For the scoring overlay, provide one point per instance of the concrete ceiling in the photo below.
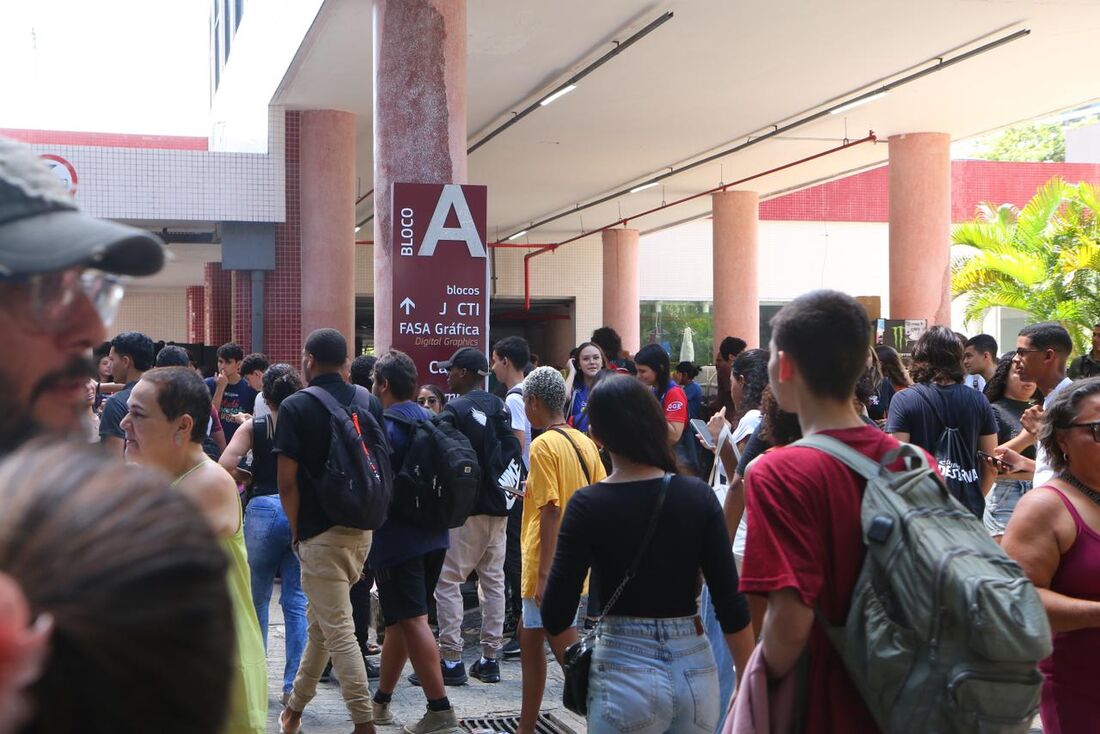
(715, 74)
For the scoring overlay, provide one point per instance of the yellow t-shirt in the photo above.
(554, 476)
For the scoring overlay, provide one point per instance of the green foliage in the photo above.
(1036, 142)
(667, 327)
(1043, 259)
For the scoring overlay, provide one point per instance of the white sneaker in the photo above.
(382, 713)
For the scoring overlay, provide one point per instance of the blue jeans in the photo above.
(650, 676)
(267, 538)
(727, 676)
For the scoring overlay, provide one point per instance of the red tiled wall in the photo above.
(196, 314)
(973, 182)
(241, 310)
(282, 287)
(863, 197)
(217, 297)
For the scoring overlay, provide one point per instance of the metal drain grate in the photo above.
(547, 724)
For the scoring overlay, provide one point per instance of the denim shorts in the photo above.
(1000, 502)
(653, 675)
(532, 615)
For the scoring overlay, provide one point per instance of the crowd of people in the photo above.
(718, 551)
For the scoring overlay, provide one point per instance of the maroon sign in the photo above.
(440, 274)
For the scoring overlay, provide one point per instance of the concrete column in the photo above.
(327, 171)
(621, 306)
(196, 314)
(419, 118)
(920, 227)
(218, 304)
(241, 310)
(735, 256)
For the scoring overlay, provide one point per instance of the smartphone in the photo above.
(996, 462)
(704, 432)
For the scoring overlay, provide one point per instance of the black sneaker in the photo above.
(373, 672)
(326, 675)
(486, 671)
(510, 650)
(455, 676)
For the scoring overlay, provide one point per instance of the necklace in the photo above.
(1084, 489)
(183, 476)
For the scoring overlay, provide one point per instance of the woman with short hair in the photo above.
(651, 631)
(1054, 535)
(165, 425)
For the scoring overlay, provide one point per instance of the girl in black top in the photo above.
(653, 624)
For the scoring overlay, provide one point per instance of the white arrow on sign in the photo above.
(407, 305)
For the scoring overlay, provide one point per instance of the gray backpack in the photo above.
(944, 630)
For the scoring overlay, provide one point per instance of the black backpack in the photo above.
(958, 465)
(356, 483)
(437, 485)
(484, 420)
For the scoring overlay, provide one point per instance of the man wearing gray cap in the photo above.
(59, 288)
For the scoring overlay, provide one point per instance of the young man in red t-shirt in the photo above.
(805, 543)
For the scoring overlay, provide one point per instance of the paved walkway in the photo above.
(326, 714)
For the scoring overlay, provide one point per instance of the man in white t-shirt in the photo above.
(510, 358)
(1042, 351)
(979, 360)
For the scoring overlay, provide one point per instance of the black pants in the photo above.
(513, 561)
(360, 606)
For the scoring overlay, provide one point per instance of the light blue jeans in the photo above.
(650, 676)
(267, 539)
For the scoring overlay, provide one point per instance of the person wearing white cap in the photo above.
(59, 289)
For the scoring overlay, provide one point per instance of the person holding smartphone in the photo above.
(1010, 395)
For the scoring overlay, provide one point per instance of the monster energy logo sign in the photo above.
(899, 336)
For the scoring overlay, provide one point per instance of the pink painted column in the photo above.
(920, 227)
(327, 195)
(621, 305)
(196, 314)
(419, 118)
(735, 257)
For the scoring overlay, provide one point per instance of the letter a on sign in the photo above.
(466, 231)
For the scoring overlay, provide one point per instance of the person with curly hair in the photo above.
(1054, 535)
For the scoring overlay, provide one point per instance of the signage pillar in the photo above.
(419, 126)
(440, 274)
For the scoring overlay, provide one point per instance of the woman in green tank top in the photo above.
(165, 426)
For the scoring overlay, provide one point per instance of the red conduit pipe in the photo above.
(870, 138)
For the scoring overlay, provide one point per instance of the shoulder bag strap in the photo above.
(630, 572)
(584, 467)
(924, 395)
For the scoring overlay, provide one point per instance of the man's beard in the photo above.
(17, 423)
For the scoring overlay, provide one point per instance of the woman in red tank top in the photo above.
(1054, 534)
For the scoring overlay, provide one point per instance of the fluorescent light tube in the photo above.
(517, 235)
(560, 93)
(857, 103)
(643, 187)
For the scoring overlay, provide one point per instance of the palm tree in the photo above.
(1043, 259)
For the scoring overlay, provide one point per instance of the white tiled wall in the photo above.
(189, 185)
(160, 313)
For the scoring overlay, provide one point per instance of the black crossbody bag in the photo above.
(577, 660)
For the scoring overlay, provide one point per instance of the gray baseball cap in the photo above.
(42, 229)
